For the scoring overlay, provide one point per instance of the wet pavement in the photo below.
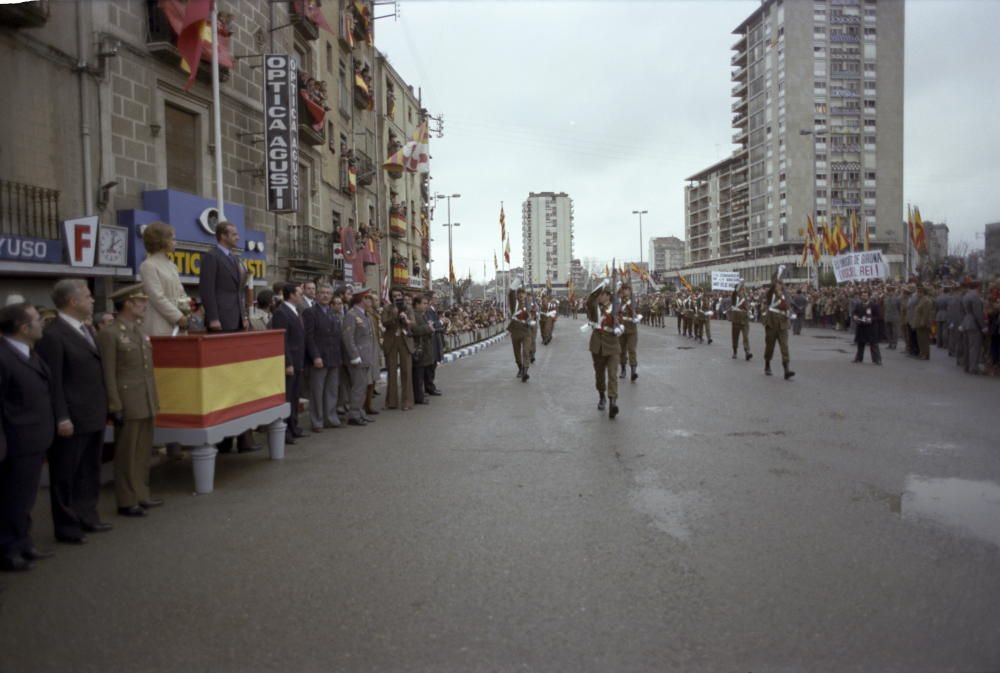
(726, 521)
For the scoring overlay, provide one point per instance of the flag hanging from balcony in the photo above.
(352, 179)
(364, 17)
(416, 153)
(394, 164)
(311, 10)
(315, 111)
(190, 20)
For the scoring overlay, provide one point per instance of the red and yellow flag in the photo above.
(506, 252)
(841, 242)
(684, 282)
(854, 230)
(919, 233)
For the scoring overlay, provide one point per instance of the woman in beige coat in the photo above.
(161, 283)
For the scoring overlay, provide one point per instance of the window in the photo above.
(869, 175)
(819, 31)
(870, 33)
(329, 58)
(869, 123)
(870, 51)
(345, 92)
(181, 143)
(869, 194)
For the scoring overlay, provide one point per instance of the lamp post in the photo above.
(640, 213)
(815, 138)
(450, 226)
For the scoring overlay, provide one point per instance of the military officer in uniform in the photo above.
(629, 318)
(605, 347)
(921, 320)
(739, 316)
(127, 356)
(520, 330)
(776, 324)
(533, 312)
(361, 355)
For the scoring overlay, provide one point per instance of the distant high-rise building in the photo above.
(665, 253)
(547, 237)
(818, 119)
(991, 261)
(937, 240)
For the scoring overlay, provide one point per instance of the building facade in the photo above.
(547, 239)
(665, 253)
(122, 139)
(937, 240)
(818, 121)
(991, 260)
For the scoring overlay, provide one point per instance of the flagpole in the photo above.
(216, 112)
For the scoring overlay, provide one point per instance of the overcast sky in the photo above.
(617, 102)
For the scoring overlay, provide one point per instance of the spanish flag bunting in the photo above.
(191, 23)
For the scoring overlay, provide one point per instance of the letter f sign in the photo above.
(81, 237)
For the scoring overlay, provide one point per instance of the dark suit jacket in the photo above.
(77, 377)
(26, 415)
(295, 335)
(220, 287)
(323, 336)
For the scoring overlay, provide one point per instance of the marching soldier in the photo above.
(678, 304)
(628, 318)
(698, 316)
(127, 356)
(533, 312)
(604, 346)
(687, 307)
(776, 324)
(550, 310)
(739, 316)
(520, 330)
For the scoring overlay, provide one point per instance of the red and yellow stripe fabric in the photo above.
(211, 379)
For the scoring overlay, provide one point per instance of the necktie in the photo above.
(88, 336)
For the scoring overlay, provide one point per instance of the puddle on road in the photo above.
(680, 433)
(666, 509)
(970, 506)
(932, 448)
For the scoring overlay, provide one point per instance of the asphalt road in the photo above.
(848, 520)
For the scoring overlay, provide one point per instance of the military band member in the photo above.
(605, 348)
(706, 317)
(127, 356)
(687, 309)
(520, 330)
(533, 311)
(550, 310)
(678, 304)
(698, 316)
(739, 316)
(628, 318)
(776, 324)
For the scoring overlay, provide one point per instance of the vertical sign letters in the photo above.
(281, 132)
(81, 240)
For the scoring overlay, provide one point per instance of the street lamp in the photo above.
(450, 226)
(640, 213)
(815, 137)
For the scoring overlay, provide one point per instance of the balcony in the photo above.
(305, 27)
(161, 42)
(312, 110)
(740, 136)
(739, 88)
(842, 38)
(740, 104)
(366, 169)
(29, 210)
(310, 247)
(25, 14)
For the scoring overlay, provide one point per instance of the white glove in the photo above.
(619, 330)
(356, 361)
(585, 328)
(532, 323)
(637, 319)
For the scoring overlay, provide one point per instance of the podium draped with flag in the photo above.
(213, 386)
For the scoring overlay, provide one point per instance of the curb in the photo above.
(472, 349)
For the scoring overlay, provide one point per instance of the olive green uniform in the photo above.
(127, 356)
(605, 348)
(629, 340)
(740, 319)
(923, 316)
(776, 326)
(520, 333)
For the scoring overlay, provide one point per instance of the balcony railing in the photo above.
(310, 247)
(305, 27)
(29, 210)
(25, 14)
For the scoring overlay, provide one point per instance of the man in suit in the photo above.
(437, 345)
(69, 348)
(358, 345)
(423, 353)
(288, 317)
(605, 347)
(397, 344)
(221, 283)
(309, 294)
(324, 348)
(941, 318)
(28, 428)
(127, 357)
(973, 327)
(891, 315)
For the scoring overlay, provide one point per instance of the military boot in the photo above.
(635, 374)
(601, 402)
(613, 408)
